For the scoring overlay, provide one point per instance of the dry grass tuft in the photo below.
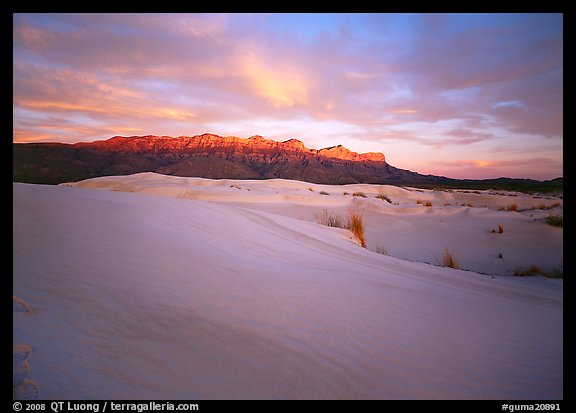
(555, 221)
(545, 207)
(531, 270)
(449, 260)
(324, 193)
(425, 203)
(500, 230)
(330, 219)
(559, 273)
(356, 226)
(381, 250)
(534, 270)
(360, 194)
(384, 197)
(354, 223)
(512, 207)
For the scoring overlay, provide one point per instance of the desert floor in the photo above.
(160, 287)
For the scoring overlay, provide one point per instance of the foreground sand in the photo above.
(236, 293)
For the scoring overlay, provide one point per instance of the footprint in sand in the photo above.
(19, 305)
(20, 353)
(26, 391)
(22, 386)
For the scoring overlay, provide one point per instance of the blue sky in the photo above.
(460, 95)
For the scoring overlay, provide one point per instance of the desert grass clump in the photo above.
(555, 221)
(425, 203)
(330, 219)
(512, 207)
(558, 273)
(360, 194)
(356, 226)
(545, 207)
(311, 189)
(534, 270)
(525, 272)
(384, 197)
(449, 260)
(345, 193)
(354, 223)
(324, 193)
(500, 229)
(381, 250)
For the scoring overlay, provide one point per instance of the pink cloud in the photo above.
(436, 82)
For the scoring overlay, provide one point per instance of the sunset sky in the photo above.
(459, 95)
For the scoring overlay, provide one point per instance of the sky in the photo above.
(459, 95)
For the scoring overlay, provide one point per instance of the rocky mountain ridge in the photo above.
(216, 157)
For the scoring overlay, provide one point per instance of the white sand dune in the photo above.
(235, 293)
(407, 230)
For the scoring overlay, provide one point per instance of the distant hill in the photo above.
(216, 157)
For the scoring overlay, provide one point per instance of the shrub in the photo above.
(330, 220)
(512, 207)
(384, 198)
(360, 194)
(449, 260)
(356, 226)
(524, 272)
(311, 189)
(324, 193)
(534, 269)
(500, 229)
(425, 203)
(554, 274)
(355, 223)
(345, 193)
(555, 221)
(381, 250)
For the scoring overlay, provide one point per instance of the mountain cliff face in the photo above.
(207, 156)
(216, 157)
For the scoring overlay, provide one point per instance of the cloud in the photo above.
(437, 81)
(542, 168)
(279, 84)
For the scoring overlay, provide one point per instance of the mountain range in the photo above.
(216, 157)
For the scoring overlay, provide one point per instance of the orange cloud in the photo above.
(404, 111)
(176, 114)
(280, 85)
(27, 136)
(483, 164)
